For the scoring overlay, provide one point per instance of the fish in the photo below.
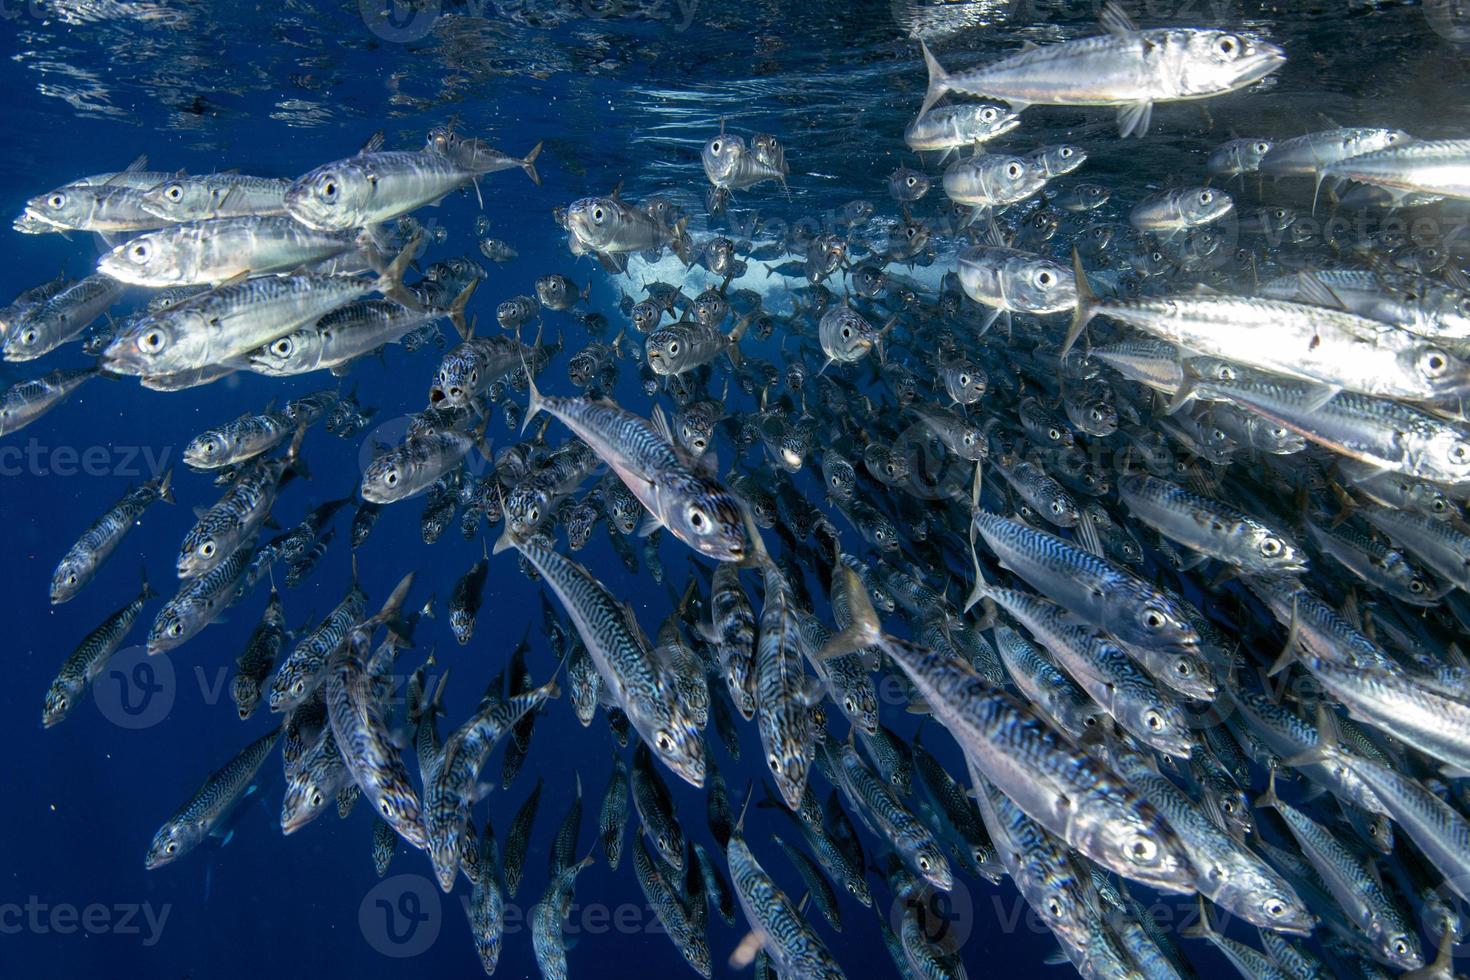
(377, 185)
(1124, 67)
(86, 663)
(209, 804)
(83, 559)
(695, 507)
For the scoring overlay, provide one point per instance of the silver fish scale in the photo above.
(733, 635)
(477, 362)
(447, 797)
(308, 658)
(360, 725)
(100, 539)
(640, 684)
(192, 821)
(206, 595)
(785, 936)
(887, 817)
(1093, 584)
(1005, 740)
(670, 909)
(633, 438)
(90, 656)
(1037, 861)
(783, 691)
(242, 509)
(1219, 860)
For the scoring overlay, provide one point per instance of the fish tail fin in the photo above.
(457, 308)
(1326, 742)
(528, 164)
(1201, 929)
(534, 402)
(981, 589)
(391, 613)
(165, 486)
(390, 283)
(1269, 798)
(938, 79)
(865, 630)
(1086, 303)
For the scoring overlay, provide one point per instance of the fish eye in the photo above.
(1154, 619)
(174, 193)
(1057, 507)
(29, 337)
(391, 478)
(316, 800)
(57, 201)
(1054, 907)
(1141, 850)
(964, 381)
(329, 188)
(1434, 361)
(1271, 547)
(989, 114)
(1275, 908)
(206, 550)
(1183, 669)
(175, 629)
(1053, 434)
(1066, 152)
(1229, 45)
(673, 347)
(715, 146)
(1044, 278)
(912, 181)
(923, 863)
(298, 688)
(1263, 147)
(171, 847)
(1416, 586)
(139, 252)
(1013, 170)
(1460, 452)
(1157, 256)
(1206, 197)
(1154, 721)
(598, 215)
(151, 342)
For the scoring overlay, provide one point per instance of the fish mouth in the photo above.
(1264, 60)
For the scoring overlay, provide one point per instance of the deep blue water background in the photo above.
(275, 90)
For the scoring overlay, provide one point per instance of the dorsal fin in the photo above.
(1115, 20)
(374, 143)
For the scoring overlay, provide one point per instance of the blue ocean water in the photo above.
(620, 93)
